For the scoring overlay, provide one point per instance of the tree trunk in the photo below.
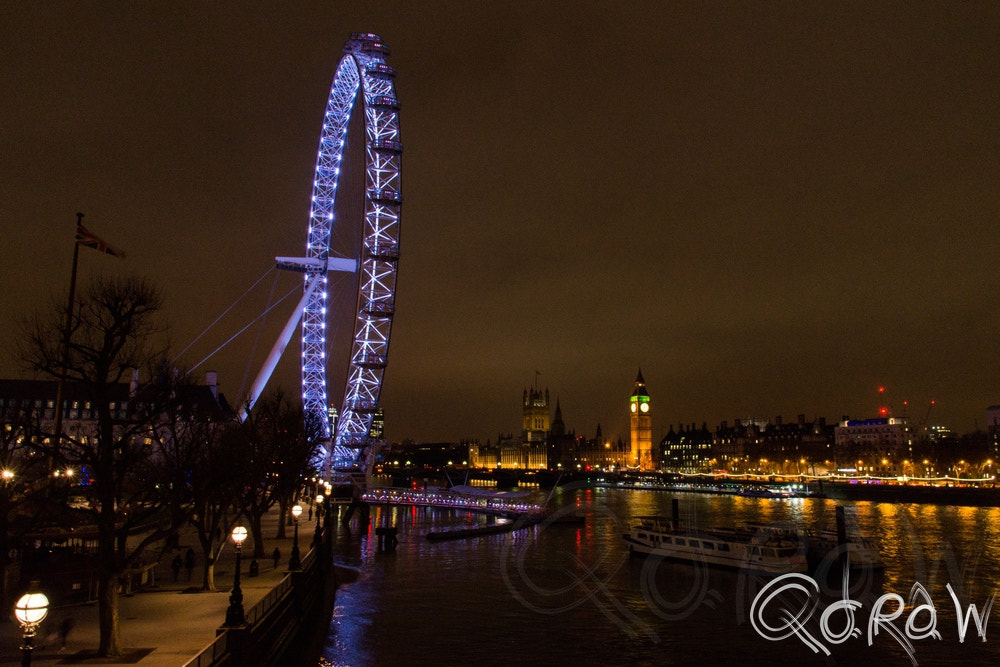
(282, 515)
(108, 567)
(211, 555)
(107, 613)
(5, 562)
(208, 583)
(258, 536)
(4, 604)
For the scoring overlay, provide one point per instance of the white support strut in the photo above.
(279, 347)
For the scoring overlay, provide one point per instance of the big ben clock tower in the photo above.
(641, 426)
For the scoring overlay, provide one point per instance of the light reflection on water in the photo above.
(569, 593)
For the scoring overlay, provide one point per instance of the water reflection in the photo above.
(567, 592)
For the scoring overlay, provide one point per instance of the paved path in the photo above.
(163, 626)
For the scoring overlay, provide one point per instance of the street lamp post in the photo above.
(294, 563)
(234, 614)
(327, 490)
(30, 610)
(318, 532)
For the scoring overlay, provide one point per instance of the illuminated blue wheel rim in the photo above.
(363, 68)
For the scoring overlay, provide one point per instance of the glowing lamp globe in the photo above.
(31, 609)
(297, 511)
(239, 534)
(319, 499)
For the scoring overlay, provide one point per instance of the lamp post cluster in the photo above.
(32, 607)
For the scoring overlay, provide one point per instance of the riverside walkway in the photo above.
(164, 625)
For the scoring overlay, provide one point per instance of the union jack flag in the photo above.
(85, 238)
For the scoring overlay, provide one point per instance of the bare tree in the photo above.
(25, 485)
(279, 452)
(111, 334)
(214, 483)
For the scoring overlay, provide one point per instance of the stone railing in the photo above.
(275, 621)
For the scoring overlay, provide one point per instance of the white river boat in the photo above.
(770, 552)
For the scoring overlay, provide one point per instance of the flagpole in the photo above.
(60, 385)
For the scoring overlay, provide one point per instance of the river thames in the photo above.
(562, 593)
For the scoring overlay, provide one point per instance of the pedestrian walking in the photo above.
(276, 556)
(189, 562)
(64, 629)
(176, 566)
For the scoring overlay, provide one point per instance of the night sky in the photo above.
(772, 208)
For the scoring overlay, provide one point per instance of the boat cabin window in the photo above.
(723, 546)
(693, 543)
(708, 545)
(680, 541)
(643, 536)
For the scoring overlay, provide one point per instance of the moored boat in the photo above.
(862, 553)
(827, 548)
(764, 552)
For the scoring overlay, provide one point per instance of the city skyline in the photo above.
(770, 210)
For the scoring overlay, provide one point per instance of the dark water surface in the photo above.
(563, 593)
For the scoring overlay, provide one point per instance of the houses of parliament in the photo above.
(884, 446)
(545, 443)
(878, 446)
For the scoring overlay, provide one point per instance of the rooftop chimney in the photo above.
(212, 382)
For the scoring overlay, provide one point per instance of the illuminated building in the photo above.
(509, 453)
(529, 451)
(640, 426)
(749, 444)
(579, 453)
(993, 429)
(885, 432)
(535, 422)
(869, 441)
(34, 401)
(377, 431)
(687, 449)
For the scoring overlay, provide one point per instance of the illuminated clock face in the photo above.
(632, 407)
(644, 407)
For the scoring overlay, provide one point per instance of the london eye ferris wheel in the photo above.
(353, 232)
